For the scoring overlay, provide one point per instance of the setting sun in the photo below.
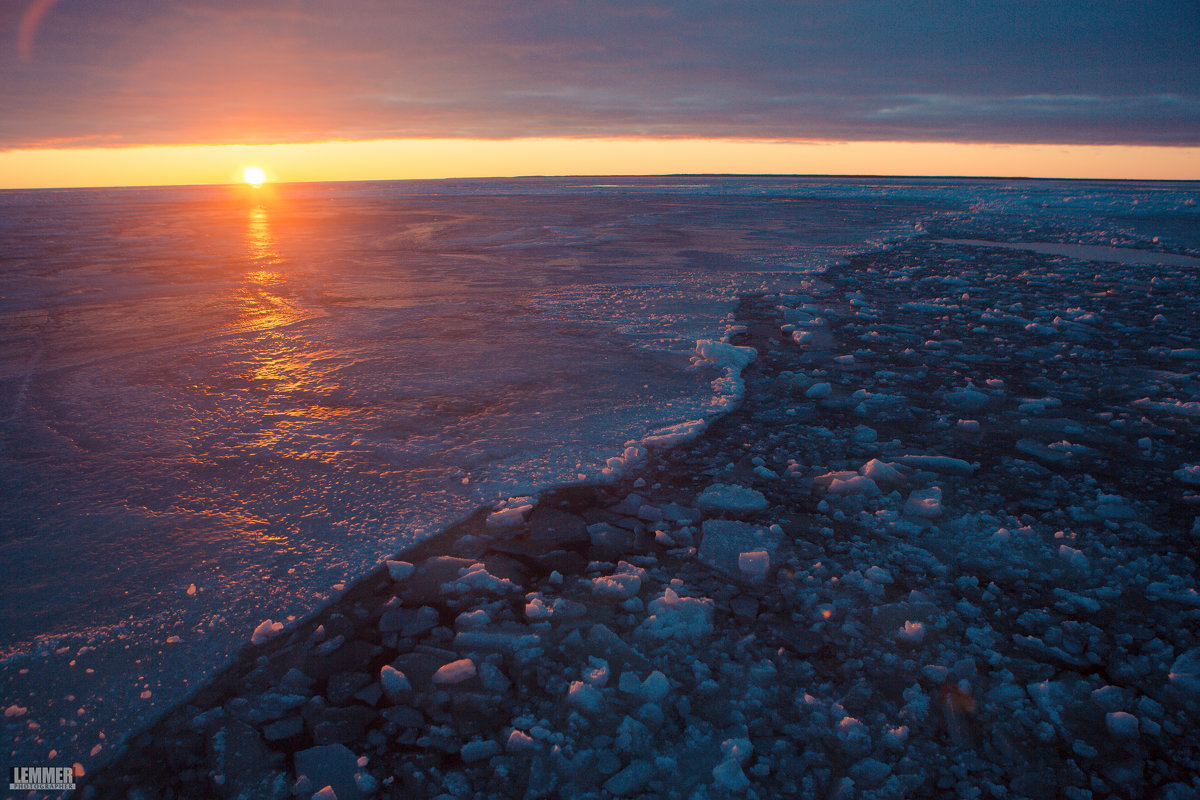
(254, 176)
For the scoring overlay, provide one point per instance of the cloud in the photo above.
(27, 28)
(140, 71)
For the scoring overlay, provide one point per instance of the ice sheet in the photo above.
(261, 394)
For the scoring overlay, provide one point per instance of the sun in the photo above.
(254, 176)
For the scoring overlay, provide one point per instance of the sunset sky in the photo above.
(106, 92)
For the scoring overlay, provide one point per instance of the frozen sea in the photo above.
(220, 405)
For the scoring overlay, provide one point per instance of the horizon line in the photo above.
(612, 176)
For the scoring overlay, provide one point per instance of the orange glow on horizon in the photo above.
(397, 159)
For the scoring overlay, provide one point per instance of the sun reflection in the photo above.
(277, 379)
(281, 360)
(261, 300)
(258, 236)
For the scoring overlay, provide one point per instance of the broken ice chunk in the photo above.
(728, 774)
(675, 617)
(585, 697)
(479, 750)
(655, 687)
(1037, 405)
(674, 434)
(399, 570)
(1121, 725)
(1189, 474)
(621, 585)
(731, 499)
(765, 473)
(267, 629)
(536, 609)
(454, 672)
(1185, 672)
(724, 354)
(597, 672)
(520, 742)
(913, 633)
(475, 579)
(1114, 507)
(885, 476)
(1075, 558)
(1177, 408)
(331, 766)
(895, 737)
(944, 465)
(395, 683)
(854, 736)
(725, 540)
(471, 620)
(629, 683)
(858, 484)
(863, 434)
(755, 564)
(870, 771)
(878, 575)
(966, 399)
(924, 503)
(826, 480)
(508, 519)
(616, 587)
(630, 780)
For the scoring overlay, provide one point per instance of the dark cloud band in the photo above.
(136, 71)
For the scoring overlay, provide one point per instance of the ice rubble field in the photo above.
(946, 547)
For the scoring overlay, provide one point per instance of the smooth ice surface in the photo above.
(1090, 252)
(218, 405)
